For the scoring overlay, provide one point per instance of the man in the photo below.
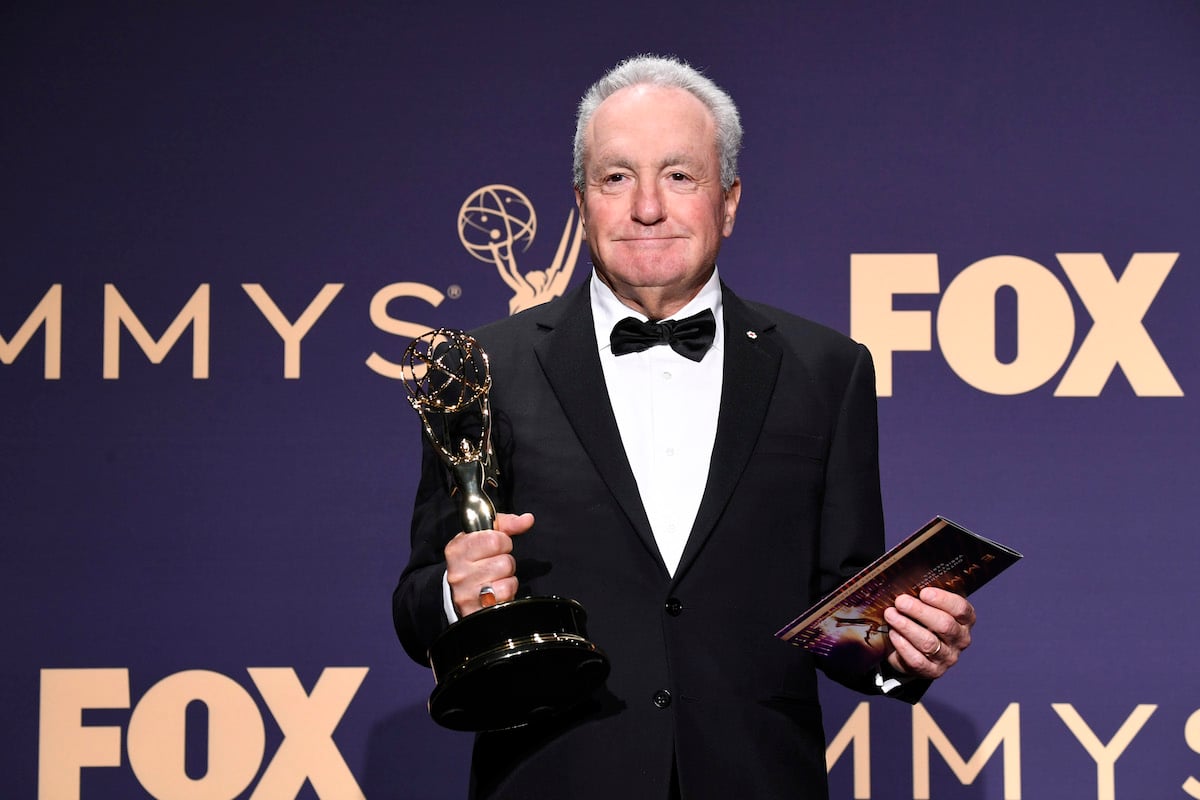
(687, 499)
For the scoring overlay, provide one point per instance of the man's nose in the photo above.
(648, 206)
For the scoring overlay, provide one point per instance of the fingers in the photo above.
(929, 633)
(499, 591)
(483, 560)
(953, 604)
(473, 565)
(908, 659)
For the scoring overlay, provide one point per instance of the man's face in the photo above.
(653, 206)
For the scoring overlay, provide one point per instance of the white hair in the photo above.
(667, 72)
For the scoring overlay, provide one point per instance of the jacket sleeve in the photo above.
(852, 526)
(417, 609)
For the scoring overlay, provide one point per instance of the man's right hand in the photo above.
(484, 558)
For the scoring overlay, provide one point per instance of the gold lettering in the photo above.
(65, 744)
(1105, 755)
(1191, 735)
(117, 313)
(1117, 336)
(307, 722)
(47, 313)
(387, 324)
(290, 333)
(236, 737)
(967, 325)
(874, 279)
(1006, 731)
(856, 731)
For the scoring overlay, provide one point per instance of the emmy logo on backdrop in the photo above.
(516, 662)
(496, 218)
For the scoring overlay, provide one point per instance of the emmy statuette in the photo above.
(512, 663)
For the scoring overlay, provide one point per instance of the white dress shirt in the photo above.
(666, 408)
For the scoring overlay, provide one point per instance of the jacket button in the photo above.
(673, 606)
(662, 698)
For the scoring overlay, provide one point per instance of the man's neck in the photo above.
(655, 302)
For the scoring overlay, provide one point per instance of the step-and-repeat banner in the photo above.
(221, 227)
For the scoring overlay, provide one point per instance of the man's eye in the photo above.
(678, 176)
(614, 178)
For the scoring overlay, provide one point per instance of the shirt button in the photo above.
(662, 698)
(666, 376)
(673, 606)
(670, 451)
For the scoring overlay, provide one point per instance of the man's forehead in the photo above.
(648, 98)
(668, 118)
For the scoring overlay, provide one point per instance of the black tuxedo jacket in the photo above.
(698, 683)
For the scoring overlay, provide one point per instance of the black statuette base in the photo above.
(514, 664)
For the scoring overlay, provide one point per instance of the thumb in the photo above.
(513, 524)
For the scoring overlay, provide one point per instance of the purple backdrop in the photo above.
(164, 533)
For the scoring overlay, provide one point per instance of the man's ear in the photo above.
(732, 197)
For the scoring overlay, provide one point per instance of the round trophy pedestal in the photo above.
(513, 664)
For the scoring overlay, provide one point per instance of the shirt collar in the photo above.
(608, 310)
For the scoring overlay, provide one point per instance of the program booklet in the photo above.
(846, 627)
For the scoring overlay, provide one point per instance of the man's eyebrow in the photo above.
(679, 159)
(603, 163)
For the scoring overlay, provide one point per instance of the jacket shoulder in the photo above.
(806, 337)
(546, 315)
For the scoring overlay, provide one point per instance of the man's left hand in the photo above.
(928, 634)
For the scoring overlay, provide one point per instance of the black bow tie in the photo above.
(690, 337)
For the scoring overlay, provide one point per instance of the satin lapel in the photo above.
(568, 357)
(749, 373)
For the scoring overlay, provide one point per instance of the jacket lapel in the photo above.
(748, 381)
(567, 353)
